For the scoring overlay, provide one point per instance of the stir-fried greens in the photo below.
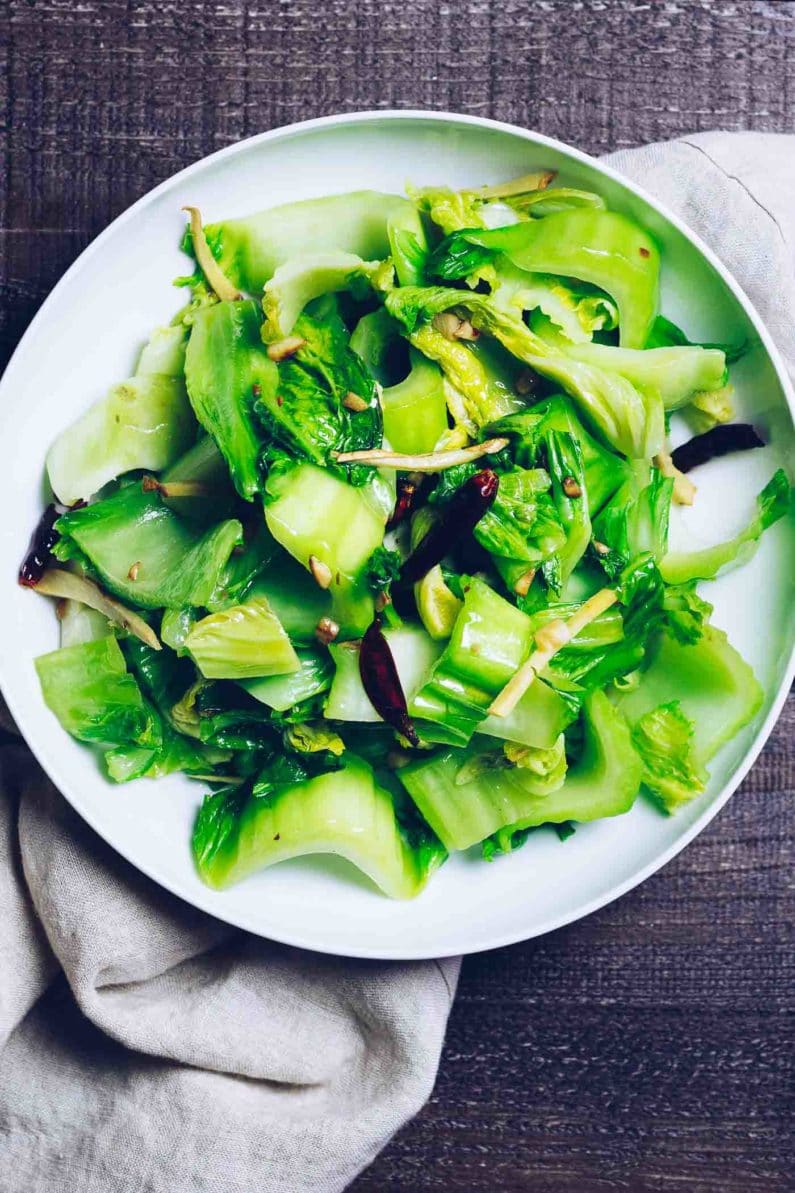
(375, 540)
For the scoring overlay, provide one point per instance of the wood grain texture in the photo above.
(649, 1048)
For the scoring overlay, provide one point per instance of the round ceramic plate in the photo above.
(87, 336)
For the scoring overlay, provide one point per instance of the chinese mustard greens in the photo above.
(374, 541)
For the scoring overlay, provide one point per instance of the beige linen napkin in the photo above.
(146, 1048)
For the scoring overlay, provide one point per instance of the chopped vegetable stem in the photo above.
(432, 462)
(516, 687)
(216, 278)
(58, 582)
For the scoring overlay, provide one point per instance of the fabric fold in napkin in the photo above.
(147, 1048)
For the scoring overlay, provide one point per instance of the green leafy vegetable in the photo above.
(604, 248)
(307, 412)
(604, 470)
(679, 567)
(685, 613)
(295, 597)
(666, 334)
(554, 199)
(298, 281)
(145, 422)
(408, 244)
(604, 782)
(635, 520)
(481, 380)
(577, 311)
(314, 515)
(377, 340)
(282, 692)
(522, 526)
(383, 567)
(709, 407)
(628, 419)
(450, 210)
(250, 250)
(715, 688)
(308, 738)
(226, 366)
(415, 410)
(90, 691)
(243, 642)
(343, 812)
(570, 495)
(676, 374)
(490, 639)
(221, 714)
(176, 565)
(615, 644)
(663, 738)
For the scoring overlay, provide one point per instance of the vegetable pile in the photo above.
(374, 542)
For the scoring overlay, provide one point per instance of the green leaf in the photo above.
(604, 248)
(680, 567)
(663, 738)
(313, 514)
(450, 210)
(415, 410)
(553, 199)
(576, 309)
(145, 422)
(715, 687)
(376, 339)
(665, 334)
(383, 567)
(175, 753)
(93, 696)
(676, 374)
(225, 366)
(343, 812)
(177, 565)
(457, 258)
(251, 249)
(242, 642)
(616, 643)
(301, 279)
(223, 715)
(570, 496)
(604, 470)
(489, 641)
(408, 245)
(279, 771)
(629, 420)
(282, 692)
(603, 782)
(635, 520)
(317, 738)
(522, 528)
(685, 613)
(305, 413)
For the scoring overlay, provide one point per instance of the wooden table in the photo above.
(648, 1048)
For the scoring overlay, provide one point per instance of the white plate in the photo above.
(86, 337)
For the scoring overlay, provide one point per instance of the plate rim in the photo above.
(205, 901)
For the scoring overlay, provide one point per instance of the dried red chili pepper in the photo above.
(382, 683)
(39, 555)
(459, 517)
(719, 441)
(406, 492)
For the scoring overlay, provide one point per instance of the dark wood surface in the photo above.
(648, 1048)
